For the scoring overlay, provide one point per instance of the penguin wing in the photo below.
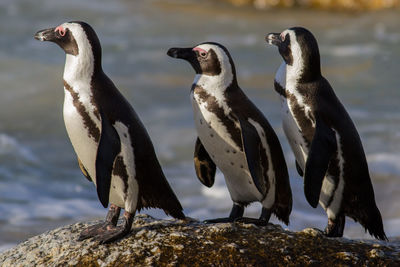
(84, 171)
(322, 148)
(109, 147)
(299, 170)
(203, 164)
(252, 146)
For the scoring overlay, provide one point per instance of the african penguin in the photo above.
(112, 145)
(327, 147)
(234, 136)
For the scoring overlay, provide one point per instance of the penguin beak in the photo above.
(187, 54)
(182, 53)
(46, 35)
(273, 39)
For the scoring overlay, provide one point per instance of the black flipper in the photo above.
(322, 149)
(203, 164)
(84, 171)
(299, 170)
(109, 147)
(251, 144)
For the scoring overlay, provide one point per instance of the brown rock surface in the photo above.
(173, 242)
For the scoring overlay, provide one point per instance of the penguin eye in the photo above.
(283, 36)
(61, 31)
(203, 54)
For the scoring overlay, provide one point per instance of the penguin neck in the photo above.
(216, 87)
(302, 72)
(79, 71)
(216, 84)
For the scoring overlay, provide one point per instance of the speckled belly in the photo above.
(226, 155)
(293, 134)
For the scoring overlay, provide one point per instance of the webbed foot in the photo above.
(113, 233)
(101, 228)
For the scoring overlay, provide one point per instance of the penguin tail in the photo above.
(176, 213)
(170, 203)
(283, 198)
(283, 205)
(282, 212)
(370, 218)
(374, 225)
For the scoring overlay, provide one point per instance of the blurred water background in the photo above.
(41, 186)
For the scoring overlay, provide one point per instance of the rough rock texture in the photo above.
(171, 242)
(354, 5)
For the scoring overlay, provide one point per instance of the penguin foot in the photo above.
(94, 230)
(335, 227)
(258, 222)
(98, 229)
(113, 233)
(219, 220)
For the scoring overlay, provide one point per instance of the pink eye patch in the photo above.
(199, 49)
(60, 29)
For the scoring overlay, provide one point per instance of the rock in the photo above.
(176, 242)
(354, 5)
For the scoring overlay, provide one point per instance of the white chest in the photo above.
(83, 127)
(293, 133)
(290, 125)
(225, 153)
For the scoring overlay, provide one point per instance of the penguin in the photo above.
(234, 136)
(113, 148)
(328, 150)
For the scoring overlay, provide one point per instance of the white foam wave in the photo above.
(11, 146)
(21, 214)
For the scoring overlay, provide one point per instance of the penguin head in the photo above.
(75, 38)
(299, 49)
(211, 59)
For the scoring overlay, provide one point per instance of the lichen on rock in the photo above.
(192, 243)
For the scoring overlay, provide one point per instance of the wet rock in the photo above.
(191, 243)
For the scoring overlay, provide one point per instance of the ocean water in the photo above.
(41, 186)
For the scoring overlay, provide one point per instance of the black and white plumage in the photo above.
(325, 142)
(234, 136)
(112, 145)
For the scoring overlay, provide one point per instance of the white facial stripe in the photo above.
(78, 69)
(216, 85)
(294, 72)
